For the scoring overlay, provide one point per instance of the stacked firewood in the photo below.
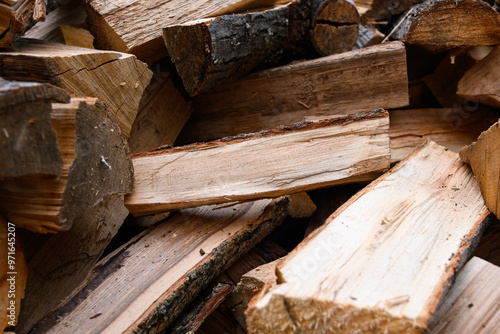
(260, 166)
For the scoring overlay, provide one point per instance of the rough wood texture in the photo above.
(13, 275)
(209, 52)
(65, 259)
(446, 24)
(96, 162)
(267, 164)
(117, 79)
(368, 36)
(329, 86)
(163, 112)
(27, 141)
(144, 285)
(381, 10)
(484, 158)
(473, 302)
(481, 82)
(382, 261)
(14, 19)
(71, 36)
(452, 128)
(117, 25)
(334, 26)
(301, 206)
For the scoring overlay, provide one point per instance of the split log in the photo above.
(163, 112)
(446, 24)
(209, 52)
(473, 302)
(71, 36)
(28, 143)
(382, 261)
(382, 10)
(13, 272)
(329, 86)
(484, 158)
(117, 79)
(150, 220)
(368, 36)
(117, 26)
(452, 128)
(249, 166)
(480, 83)
(65, 259)
(14, 19)
(96, 163)
(144, 285)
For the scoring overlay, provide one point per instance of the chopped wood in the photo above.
(334, 26)
(149, 220)
(117, 79)
(373, 11)
(14, 19)
(142, 286)
(480, 83)
(484, 158)
(65, 259)
(117, 26)
(329, 86)
(473, 302)
(13, 272)
(452, 128)
(267, 164)
(446, 24)
(71, 36)
(301, 206)
(368, 36)
(224, 48)
(96, 162)
(28, 143)
(163, 112)
(382, 262)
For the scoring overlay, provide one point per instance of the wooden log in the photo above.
(484, 157)
(248, 167)
(117, 26)
(368, 36)
(301, 206)
(96, 163)
(144, 285)
(452, 128)
(472, 303)
(69, 35)
(329, 86)
(382, 261)
(446, 24)
(117, 79)
(65, 259)
(480, 82)
(13, 272)
(28, 143)
(163, 112)
(14, 19)
(382, 10)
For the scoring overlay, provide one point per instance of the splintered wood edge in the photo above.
(17, 92)
(297, 127)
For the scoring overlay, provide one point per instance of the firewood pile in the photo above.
(239, 166)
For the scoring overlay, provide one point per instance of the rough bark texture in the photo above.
(14, 19)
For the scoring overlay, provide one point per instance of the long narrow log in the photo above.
(144, 285)
(260, 165)
(383, 261)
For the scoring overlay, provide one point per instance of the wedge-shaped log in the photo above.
(472, 303)
(446, 24)
(117, 25)
(480, 83)
(484, 158)
(383, 260)
(329, 86)
(28, 143)
(144, 285)
(116, 79)
(96, 163)
(267, 164)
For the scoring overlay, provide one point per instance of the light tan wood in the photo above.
(143, 286)
(117, 25)
(330, 86)
(13, 272)
(473, 303)
(480, 83)
(484, 158)
(452, 128)
(117, 79)
(383, 260)
(268, 164)
(301, 206)
(96, 162)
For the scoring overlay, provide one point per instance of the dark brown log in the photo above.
(14, 19)
(28, 143)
